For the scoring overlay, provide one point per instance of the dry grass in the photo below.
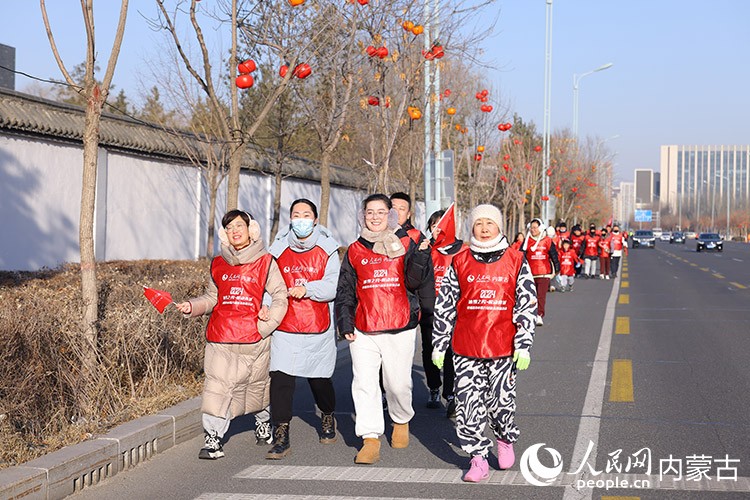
(147, 361)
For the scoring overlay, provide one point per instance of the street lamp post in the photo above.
(576, 80)
(547, 104)
(726, 193)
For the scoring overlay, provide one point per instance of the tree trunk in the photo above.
(236, 156)
(89, 292)
(277, 178)
(325, 186)
(213, 188)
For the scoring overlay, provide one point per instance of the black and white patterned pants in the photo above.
(485, 393)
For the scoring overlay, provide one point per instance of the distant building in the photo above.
(698, 179)
(7, 60)
(624, 202)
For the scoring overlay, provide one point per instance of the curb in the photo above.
(73, 468)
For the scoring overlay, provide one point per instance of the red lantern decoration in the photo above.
(244, 81)
(506, 157)
(477, 157)
(478, 95)
(302, 71)
(447, 93)
(373, 101)
(545, 198)
(282, 70)
(370, 50)
(246, 67)
(537, 148)
(504, 179)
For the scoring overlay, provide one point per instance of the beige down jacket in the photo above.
(237, 380)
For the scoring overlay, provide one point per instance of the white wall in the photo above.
(40, 193)
(146, 208)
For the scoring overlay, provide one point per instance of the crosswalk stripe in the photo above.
(446, 476)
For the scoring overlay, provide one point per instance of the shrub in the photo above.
(146, 361)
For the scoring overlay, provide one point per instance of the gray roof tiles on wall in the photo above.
(25, 114)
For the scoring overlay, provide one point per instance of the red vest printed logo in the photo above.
(298, 268)
(537, 254)
(484, 320)
(234, 319)
(441, 262)
(382, 302)
(592, 246)
(617, 241)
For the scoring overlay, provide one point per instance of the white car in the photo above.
(665, 236)
(657, 232)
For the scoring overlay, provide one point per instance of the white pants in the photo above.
(395, 353)
(566, 280)
(589, 266)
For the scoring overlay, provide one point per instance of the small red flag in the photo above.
(159, 298)
(447, 226)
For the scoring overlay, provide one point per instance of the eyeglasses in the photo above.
(231, 228)
(372, 214)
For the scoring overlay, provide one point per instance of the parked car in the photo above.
(690, 235)
(677, 237)
(645, 238)
(665, 236)
(709, 241)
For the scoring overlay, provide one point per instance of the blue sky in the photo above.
(680, 74)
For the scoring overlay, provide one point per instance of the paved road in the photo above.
(655, 361)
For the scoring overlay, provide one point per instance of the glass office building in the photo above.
(698, 179)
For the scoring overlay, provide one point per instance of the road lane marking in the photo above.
(622, 325)
(694, 264)
(621, 498)
(741, 287)
(625, 284)
(621, 389)
(704, 269)
(625, 275)
(591, 413)
(720, 276)
(624, 299)
(736, 259)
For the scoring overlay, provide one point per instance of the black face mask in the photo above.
(616, 231)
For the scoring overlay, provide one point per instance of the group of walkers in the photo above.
(275, 314)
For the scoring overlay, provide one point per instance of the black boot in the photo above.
(327, 428)
(281, 447)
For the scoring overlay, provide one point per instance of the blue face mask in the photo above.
(302, 227)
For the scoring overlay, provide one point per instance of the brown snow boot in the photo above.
(369, 453)
(400, 436)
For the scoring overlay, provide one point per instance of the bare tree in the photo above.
(95, 96)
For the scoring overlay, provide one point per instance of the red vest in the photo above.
(484, 313)
(617, 241)
(234, 319)
(576, 242)
(440, 264)
(298, 268)
(592, 246)
(415, 235)
(539, 259)
(604, 247)
(568, 262)
(382, 302)
(559, 237)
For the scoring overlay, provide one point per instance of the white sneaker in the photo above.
(601, 276)
(539, 321)
(606, 277)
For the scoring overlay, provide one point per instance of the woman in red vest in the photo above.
(569, 259)
(304, 344)
(604, 251)
(485, 311)
(377, 311)
(541, 254)
(238, 345)
(619, 243)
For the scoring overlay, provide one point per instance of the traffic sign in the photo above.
(643, 215)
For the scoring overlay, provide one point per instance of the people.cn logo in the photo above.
(532, 469)
(286, 269)
(470, 278)
(364, 262)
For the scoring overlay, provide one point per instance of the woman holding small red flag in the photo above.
(238, 343)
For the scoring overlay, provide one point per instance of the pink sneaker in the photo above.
(479, 470)
(505, 456)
